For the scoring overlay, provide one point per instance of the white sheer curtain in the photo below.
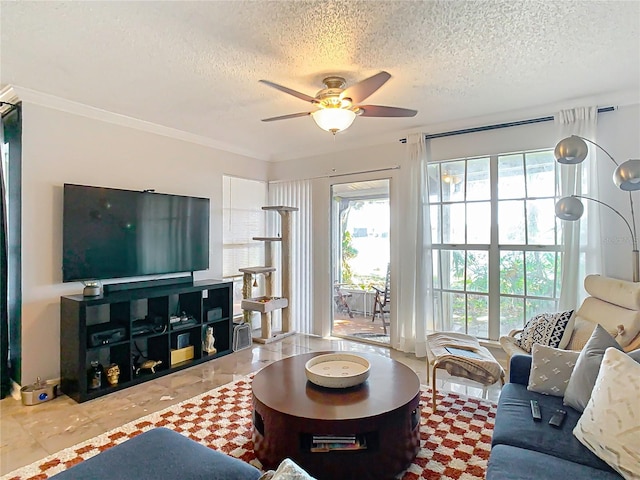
(295, 193)
(582, 246)
(415, 305)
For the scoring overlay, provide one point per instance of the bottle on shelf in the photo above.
(96, 372)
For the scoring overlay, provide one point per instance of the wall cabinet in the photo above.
(164, 326)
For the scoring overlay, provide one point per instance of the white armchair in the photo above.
(613, 303)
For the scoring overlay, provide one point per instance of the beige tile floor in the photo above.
(30, 433)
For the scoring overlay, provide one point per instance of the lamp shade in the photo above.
(571, 150)
(333, 119)
(569, 208)
(627, 176)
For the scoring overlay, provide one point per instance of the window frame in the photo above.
(442, 285)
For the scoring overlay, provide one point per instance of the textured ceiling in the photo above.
(195, 66)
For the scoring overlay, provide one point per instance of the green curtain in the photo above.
(5, 380)
(10, 249)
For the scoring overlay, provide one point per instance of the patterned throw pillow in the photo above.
(610, 424)
(550, 329)
(551, 369)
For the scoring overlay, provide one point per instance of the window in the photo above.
(242, 219)
(496, 241)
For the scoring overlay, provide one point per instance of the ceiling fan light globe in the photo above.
(569, 208)
(571, 150)
(627, 176)
(333, 119)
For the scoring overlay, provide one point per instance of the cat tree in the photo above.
(268, 303)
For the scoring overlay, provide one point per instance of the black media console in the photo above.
(165, 324)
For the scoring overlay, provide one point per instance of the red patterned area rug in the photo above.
(455, 440)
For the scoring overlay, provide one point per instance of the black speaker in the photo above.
(214, 314)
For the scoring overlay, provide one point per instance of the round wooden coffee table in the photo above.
(383, 413)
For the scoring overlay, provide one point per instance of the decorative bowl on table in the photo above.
(337, 370)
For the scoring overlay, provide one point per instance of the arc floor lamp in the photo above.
(573, 150)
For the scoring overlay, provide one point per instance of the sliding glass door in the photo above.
(360, 260)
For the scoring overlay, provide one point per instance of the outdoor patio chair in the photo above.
(382, 300)
(340, 297)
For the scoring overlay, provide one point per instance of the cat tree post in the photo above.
(285, 225)
(267, 304)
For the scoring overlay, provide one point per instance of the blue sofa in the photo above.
(160, 454)
(522, 449)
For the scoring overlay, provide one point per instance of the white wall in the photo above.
(58, 148)
(617, 133)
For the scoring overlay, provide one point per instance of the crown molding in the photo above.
(26, 95)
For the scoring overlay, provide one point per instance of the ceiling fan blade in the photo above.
(299, 95)
(362, 90)
(284, 117)
(380, 111)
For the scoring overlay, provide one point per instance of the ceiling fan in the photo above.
(337, 107)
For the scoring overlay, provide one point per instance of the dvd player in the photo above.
(144, 325)
(107, 335)
(141, 327)
(184, 323)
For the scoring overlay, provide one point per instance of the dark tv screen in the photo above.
(112, 233)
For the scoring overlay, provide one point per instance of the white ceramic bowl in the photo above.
(337, 370)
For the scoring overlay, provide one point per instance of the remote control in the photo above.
(557, 418)
(535, 411)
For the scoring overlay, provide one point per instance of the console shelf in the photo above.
(100, 329)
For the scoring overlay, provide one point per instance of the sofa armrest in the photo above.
(519, 368)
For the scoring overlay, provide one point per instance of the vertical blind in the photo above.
(296, 194)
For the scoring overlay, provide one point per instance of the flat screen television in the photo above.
(113, 233)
